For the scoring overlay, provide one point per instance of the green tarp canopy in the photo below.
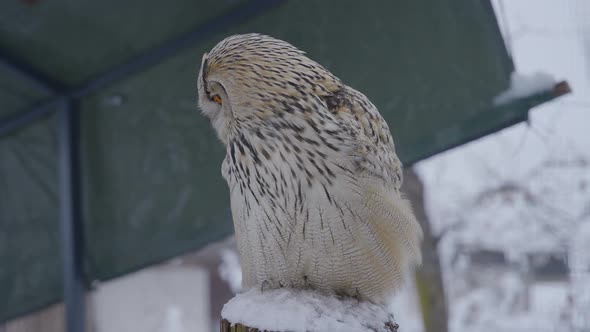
(149, 178)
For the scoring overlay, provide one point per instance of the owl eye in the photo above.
(216, 99)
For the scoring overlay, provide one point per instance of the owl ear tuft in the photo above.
(204, 69)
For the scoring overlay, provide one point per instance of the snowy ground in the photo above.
(166, 298)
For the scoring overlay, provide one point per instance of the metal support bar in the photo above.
(234, 16)
(19, 120)
(70, 217)
(28, 72)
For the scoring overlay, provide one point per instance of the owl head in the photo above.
(245, 80)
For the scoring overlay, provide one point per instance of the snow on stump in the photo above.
(299, 310)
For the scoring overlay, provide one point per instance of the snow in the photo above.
(166, 298)
(580, 264)
(523, 85)
(406, 308)
(230, 270)
(496, 308)
(521, 213)
(547, 297)
(304, 310)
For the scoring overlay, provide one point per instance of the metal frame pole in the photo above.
(29, 73)
(23, 119)
(71, 217)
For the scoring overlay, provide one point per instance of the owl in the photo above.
(313, 176)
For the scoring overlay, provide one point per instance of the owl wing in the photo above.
(373, 149)
(377, 171)
(317, 199)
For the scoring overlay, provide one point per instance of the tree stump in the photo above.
(226, 326)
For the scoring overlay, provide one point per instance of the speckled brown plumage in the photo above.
(312, 171)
